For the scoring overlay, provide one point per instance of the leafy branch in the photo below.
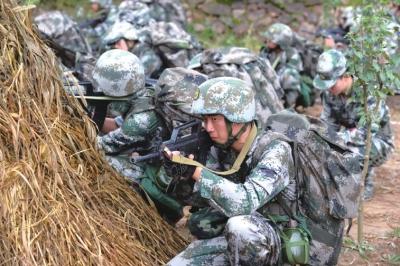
(374, 72)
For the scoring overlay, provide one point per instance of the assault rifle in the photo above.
(94, 21)
(337, 34)
(188, 138)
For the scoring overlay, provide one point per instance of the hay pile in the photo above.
(60, 204)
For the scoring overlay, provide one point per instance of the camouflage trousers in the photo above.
(247, 240)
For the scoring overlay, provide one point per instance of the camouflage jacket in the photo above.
(343, 114)
(151, 61)
(140, 124)
(160, 10)
(288, 65)
(258, 181)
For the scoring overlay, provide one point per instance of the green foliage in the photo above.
(63, 4)
(209, 38)
(368, 61)
(226, 2)
(31, 2)
(395, 233)
(393, 259)
(363, 248)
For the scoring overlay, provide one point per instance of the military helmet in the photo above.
(230, 97)
(280, 34)
(103, 3)
(330, 67)
(347, 17)
(118, 73)
(121, 30)
(176, 89)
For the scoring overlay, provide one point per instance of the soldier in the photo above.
(247, 196)
(148, 111)
(285, 59)
(62, 34)
(105, 15)
(123, 35)
(336, 37)
(165, 10)
(343, 114)
(241, 63)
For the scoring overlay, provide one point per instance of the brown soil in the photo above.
(382, 213)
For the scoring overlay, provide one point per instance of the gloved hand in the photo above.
(176, 170)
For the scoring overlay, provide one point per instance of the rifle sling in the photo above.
(276, 62)
(236, 165)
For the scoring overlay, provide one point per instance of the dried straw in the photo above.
(60, 204)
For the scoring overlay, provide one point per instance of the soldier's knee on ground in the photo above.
(252, 241)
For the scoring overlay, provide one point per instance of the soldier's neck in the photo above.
(238, 145)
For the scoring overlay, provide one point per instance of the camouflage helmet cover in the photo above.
(280, 34)
(330, 67)
(177, 88)
(230, 97)
(103, 3)
(118, 73)
(347, 17)
(121, 30)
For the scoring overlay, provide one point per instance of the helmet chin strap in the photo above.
(231, 138)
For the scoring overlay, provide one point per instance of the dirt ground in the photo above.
(382, 213)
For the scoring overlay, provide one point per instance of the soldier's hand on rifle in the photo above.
(176, 170)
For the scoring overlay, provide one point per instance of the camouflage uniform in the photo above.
(61, 29)
(243, 64)
(150, 59)
(286, 60)
(343, 114)
(96, 32)
(247, 197)
(159, 10)
(151, 109)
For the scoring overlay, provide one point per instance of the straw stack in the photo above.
(60, 204)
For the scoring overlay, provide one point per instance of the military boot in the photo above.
(369, 185)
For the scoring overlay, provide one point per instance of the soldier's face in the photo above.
(215, 126)
(342, 85)
(121, 44)
(271, 45)
(95, 7)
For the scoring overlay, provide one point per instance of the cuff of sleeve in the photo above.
(208, 181)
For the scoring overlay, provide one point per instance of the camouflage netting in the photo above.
(60, 204)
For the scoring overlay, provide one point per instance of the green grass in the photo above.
(393, 259)
(210, 39)
(363, 249)
(395, 232)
